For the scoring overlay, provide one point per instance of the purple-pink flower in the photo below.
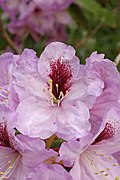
(16, 152)
(95, 156)
(59, 119)
(41, 18)
(53, 92)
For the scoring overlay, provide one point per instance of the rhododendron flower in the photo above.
(41, 18)
(52, 92)
(16, 153)
(93, 158)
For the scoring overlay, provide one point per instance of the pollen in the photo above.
(114, 164)
(101, 154)
(102, 171)
(117, 178)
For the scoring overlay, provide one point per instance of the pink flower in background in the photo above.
(52, 93)
(41, 18)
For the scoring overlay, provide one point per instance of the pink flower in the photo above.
(52, 91)
(93, 159)
(41, 18)
(16, 153)
(95, 155)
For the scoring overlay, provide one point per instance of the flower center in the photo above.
(107, 133)
(5, 139)
(59, 82)
(10, 158)
(54, 99)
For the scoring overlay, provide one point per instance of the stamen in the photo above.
(4, 96)
(61, 96)
(53, 98)
(6, 174)
(57, 88)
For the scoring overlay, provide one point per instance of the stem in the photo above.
(50, 141)
(6, 37)
(117, 61)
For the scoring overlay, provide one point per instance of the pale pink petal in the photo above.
(49, 172)
(73, 120)
(86, 88)
(117, 156)
(54, 52)
(103, 67)
(32, 146)
(93, 164)
(71, 150)
(36, 118)
(110, 134)
(26, 77)
(9, 159)
(102, 105)
(94, 57)
(6, 67)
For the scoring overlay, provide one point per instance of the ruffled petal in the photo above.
(86, 88)
(26, 76)
(54, 52)
(49, 172)
(6, 67)
(36, 118)
(93, 164)
(73, 120)
(9, 160)
(70, 151)
(32, 146)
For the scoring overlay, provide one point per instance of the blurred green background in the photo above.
(95, 27)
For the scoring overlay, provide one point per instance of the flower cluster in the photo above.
(60, 120)
(37, 18)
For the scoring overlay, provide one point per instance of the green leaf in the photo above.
(78, 15)
(103, 14)
(57, 143)
(2, 43)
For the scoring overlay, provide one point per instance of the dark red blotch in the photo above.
(107, 133)
(60, 74)
(4, 137)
